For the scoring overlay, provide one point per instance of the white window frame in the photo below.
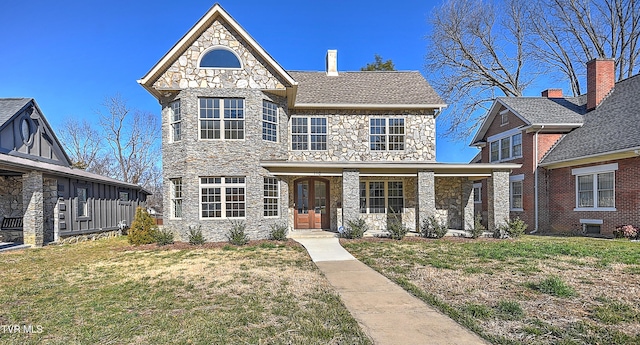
(310, 135)
(516, 179)
(176, 197)
(504, 117)
(367, 207)
(477, 193)
(222, 119)
(387, 134)
(497, 140)
(275, 197)
(266, 112)
(594, 171)
(223, 185)
(175, 119)
(220, 47)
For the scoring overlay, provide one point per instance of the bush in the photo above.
(396, 229)
(625, 231)
(355, 228)
(143, 230)
(195, 236)
(516, 227)
(278, 232)
(236, 234)
(164, 237)
(432, 228)
(478, 228)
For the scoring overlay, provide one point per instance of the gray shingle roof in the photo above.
(9, 107)
(613, 126)
(543, 110)
(365, 87)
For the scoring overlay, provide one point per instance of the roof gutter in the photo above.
(617, 154)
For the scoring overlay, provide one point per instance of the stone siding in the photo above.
(32, 201)
(50, 198)
(11, 196)
(454, 202)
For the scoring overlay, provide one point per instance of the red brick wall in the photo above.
(562, 198)
(601, 77)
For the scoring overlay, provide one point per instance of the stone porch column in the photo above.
(350, 195)
(426, 196)
(467, 204)
(497, 199)
(33, 205)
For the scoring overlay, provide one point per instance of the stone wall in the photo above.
(89, 237)
(348, 136)
(32, 202)
(11, 196)
(50, 198)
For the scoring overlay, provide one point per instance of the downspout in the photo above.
(535, 182)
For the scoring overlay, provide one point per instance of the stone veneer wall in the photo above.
(11, 196)
(454, 201)
(50, 198)
(32, 202)
(348, 136)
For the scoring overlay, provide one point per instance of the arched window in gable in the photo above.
(220, 57)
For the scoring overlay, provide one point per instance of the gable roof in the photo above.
(10, 107)
(611, 127)
(566, 112)
(185, 42)
(365, 89)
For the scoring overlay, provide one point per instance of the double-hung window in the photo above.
(222, 197)
(271, 197)
(386, 134)
(595, 188)
(176, 197)
(505, 147)
(222, 118)
(381, 197)
(308, 133)
(269, 121)
(515, 192)
(176, 121)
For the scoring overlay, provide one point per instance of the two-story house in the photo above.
(245, 139)
(579, 155)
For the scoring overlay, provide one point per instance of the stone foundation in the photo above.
(89, 237)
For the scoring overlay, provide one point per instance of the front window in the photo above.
(83, 207)
(269, 121)
(176, 121)
(222, 197)
(596, 190)
(506, 148)
(123, 196)
(495, 151)
(222, 118)
(176, 197)
(271, 197)
(386, 134)
(381, 197)
(516, 195)
(308, 133)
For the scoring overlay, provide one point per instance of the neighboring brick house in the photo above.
(42, 197)
(579, 155)
(244, 139)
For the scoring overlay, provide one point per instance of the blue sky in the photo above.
(69, 55)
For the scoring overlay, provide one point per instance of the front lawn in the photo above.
(533, 290)
(104, 293)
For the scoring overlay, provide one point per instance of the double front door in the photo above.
(311, 204)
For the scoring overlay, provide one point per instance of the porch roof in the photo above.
(382, 168)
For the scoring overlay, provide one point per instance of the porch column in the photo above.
(350, 195)
(497, 199)
(426, 196)
(33, 219)
(467, 204)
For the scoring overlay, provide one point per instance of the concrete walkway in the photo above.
(385, 311)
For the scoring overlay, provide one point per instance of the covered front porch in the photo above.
(326, 195)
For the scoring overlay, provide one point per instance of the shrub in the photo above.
(355, 228)
(516, 227)
(625, 231)
(195, 236)
(143, 230)
(432, 228)
(478, 228)
(278, 232)
(396, 229)
(236, 234)
(164, 237)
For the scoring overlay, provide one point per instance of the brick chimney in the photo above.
(332, 63)
(601, 78)
(552, 93)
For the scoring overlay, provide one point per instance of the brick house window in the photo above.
(271, 197)
(222, 118)
(222, 197)
(381, 197)
(269, 121)
(386, 134)
(176, 197)
(504, 117)
(308, 133)
(176, 121)
(505, 146)
(595, 187)
(515, 192)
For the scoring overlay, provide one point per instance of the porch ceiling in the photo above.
(381, 168)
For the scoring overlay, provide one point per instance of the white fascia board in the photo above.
(595, 169)
(366, 106)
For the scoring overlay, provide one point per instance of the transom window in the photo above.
(222, 115)
(269, 121)
(386, 134)
(308, 133)
(176, 120)
(506, 148)
(595, 188)
(222, 197)
(271, 197)
(381, 197)
(176, 197)
(220, 58)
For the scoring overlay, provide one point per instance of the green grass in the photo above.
(99, 293)
(554, 286)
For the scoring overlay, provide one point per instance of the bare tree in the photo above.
(83, 144)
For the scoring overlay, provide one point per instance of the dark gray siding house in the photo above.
(43, 198)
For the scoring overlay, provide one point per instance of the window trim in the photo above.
(222, 120)
(87, 207)
(516, 179)
(276, 123)
(309, 134)
(173, 198)
(498, 139)
(386, 196)
(220, 47)
(594, 171)
(265, 197)
(504, 115)
(223, 194)
(173, 122)
(387, 133)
